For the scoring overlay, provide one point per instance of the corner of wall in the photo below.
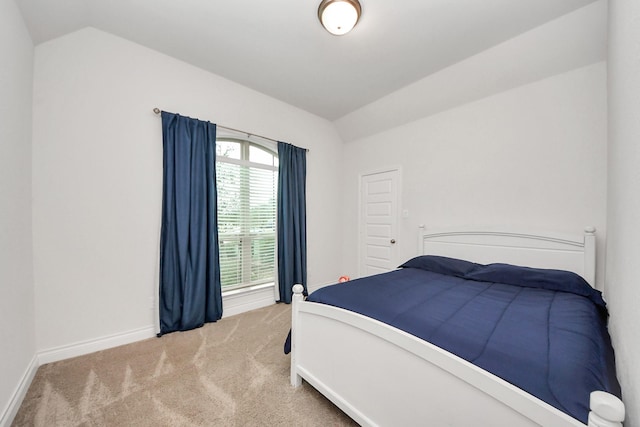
(7, 416)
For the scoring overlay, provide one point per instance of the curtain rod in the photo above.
(158, 111)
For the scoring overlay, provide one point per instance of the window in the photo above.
(247, 182)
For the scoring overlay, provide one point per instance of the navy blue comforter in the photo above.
(544, 331)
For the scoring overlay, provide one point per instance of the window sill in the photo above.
(248, 290)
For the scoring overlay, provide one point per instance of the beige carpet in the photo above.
(229, 373)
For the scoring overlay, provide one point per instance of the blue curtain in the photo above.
(190, 291)
(292, 220)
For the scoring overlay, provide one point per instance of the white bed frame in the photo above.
(381, 376)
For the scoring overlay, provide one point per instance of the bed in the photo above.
(383, 375)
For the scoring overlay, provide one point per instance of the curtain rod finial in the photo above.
(156, 110)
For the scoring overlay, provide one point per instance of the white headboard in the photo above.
(575, 253)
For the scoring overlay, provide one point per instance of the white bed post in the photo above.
(296, 380)
(590, 255)
(420, 239)
(606, 410)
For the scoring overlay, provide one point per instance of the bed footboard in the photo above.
(379, 375)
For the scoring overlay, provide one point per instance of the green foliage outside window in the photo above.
(246, 213)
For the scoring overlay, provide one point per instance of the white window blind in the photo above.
(247, 176)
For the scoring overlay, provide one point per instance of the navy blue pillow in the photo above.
(555, 280)
(441, 265)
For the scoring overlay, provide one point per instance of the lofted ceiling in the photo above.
(279, 48)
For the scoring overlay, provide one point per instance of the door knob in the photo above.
(393, 241)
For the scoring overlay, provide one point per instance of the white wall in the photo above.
(533, 156)
(97, 159)
(571, 41)
(17, 350)
(623, 207)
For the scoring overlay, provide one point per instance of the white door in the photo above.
(378, 222)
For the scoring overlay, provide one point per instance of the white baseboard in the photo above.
(9, 413)
(96, 344)
(235, 303)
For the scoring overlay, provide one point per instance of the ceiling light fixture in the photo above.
(339, 16)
